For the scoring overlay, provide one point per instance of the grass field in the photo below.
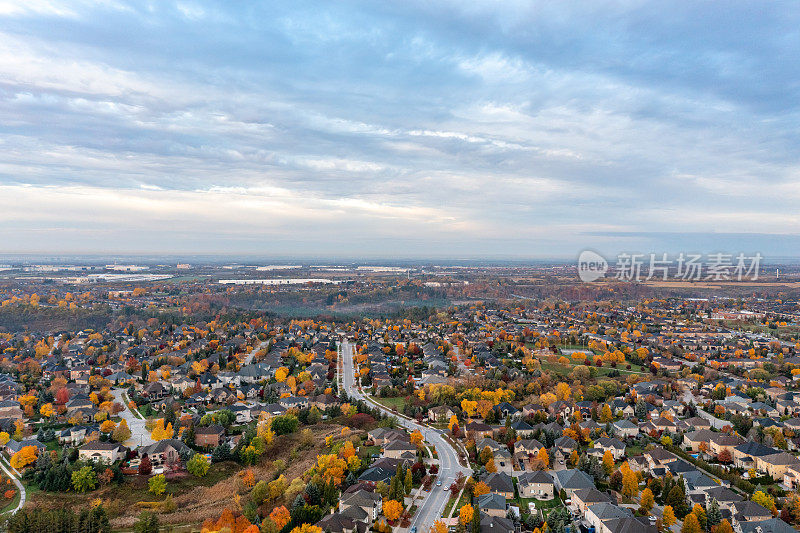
(602, 371)
(392, 403)
(540, 504)
(12, 503)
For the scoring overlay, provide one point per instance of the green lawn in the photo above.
(392, 403)
(602, 371)
(632, 451)
(540, 504)
(367, 451)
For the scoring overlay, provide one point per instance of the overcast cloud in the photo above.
(399, 129)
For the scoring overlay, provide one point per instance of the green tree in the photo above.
(198, 465)
(677, 500)
(157, 484)
(147, 523)
(84, 479)
(408, 481)
(260, 492)
(284, 424)
(713, 514)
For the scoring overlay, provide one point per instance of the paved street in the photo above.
(434, 503)
(14, 475)
(249, 358)
(139, 434)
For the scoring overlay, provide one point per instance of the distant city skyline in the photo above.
(405, 130)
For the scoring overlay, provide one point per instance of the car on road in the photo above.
(439, 483)
(414, 529)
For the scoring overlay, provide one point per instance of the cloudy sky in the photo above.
(399, 129)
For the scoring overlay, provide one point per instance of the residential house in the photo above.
(370, 502)
(165, 451)
(492, 504)
(499, 524)
(209, 436)
(583, 498)
(571, 480)
(599, 514)
(625, 429)
(538, 484)
(102, 452)
(500, 483)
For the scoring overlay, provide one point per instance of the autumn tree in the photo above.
(438, 527)
(608, 462)
(647, 501)
(563, 391)
(630, 483)
(84, 479)
(765, 500)
(465, 514)
(723, 527)
(198, 465)
(480, 489)
(157, 484)
(691, 524)
(307, 528)
(162, 432)
(145, 466)
(24, 457)
(392, 509)
(280, 516)
(668, 516)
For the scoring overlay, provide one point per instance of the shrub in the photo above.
(9, 494)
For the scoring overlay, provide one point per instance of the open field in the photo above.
(196, 498)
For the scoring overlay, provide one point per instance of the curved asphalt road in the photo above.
(139, 434)
(434, 503)
(15, 477)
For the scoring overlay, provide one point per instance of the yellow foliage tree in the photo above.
(668, 516)
(481, 488)
(24, 457)
(160, 432)
(307, 528)
(392, 509)
(438, 527)
(47, 410)
(465, 514)
(563, 391)
(453, 422)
